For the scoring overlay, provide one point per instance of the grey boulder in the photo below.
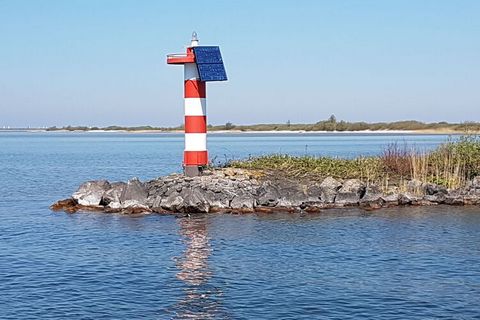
(438, 197)
(194, 200)
(409, 199)
(415, 186)
(328, 189)
(111, 197)
(475, 185)
(173, 203)
(90, 193)
(373, 197)
(433, 189)
(350, 193)
(267, 195)
(134, 190)
(243, 202)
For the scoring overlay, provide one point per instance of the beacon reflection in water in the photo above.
(201, 299)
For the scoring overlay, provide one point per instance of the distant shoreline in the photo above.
(280, 132)
(329, 126)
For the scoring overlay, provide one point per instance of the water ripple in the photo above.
(410, 263)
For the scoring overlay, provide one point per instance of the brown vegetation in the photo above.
(450, 165)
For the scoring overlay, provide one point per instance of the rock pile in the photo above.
(237, 190)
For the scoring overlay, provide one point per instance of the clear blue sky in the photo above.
(102, 62)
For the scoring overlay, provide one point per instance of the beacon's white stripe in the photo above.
(195, 141)
(190, 71)
(195, 106)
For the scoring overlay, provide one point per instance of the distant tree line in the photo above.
(331, 124)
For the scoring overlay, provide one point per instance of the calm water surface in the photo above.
(411, 263)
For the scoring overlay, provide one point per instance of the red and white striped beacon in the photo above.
(201, 64)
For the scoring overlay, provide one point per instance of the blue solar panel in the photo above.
(207, 54)
(212, 72)
(209, 63)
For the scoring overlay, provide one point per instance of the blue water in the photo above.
(402, 263)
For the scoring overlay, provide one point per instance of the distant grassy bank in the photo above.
(329, 125)
(452, 164)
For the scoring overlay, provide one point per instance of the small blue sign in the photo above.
(209, 63)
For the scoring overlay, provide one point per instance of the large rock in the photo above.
(219, 200)
(113, 194)
(372, 198)
(313, 193)
(475, 185)
(194, 201)
(134, 190)
(173, 203)
(90, 193)
(415, 186)
(432, 189)
(281, 194)
(390, 200)
(328, 189)
(115, 206)
(267, 195)
(471, 199)
(295, 194)
(156, 203)
(242, 202)
(127, 198)
(438, 197)
(454, 198)
(156, 187)
(350, 192)
(409, 199)
(134, 206)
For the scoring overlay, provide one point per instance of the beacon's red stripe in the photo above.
(195, 124)
(195, 89)
(181, 59)
(195, 158)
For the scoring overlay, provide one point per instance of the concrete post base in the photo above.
(192, 171)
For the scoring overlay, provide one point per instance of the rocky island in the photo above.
(232, 190)
(401, 176)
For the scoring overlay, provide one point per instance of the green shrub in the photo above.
(365, 168)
